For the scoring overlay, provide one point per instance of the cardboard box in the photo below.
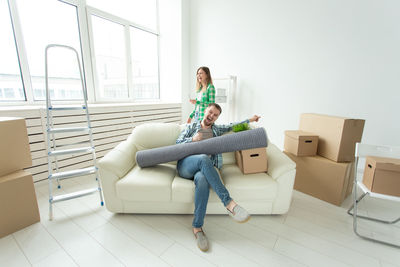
(301, 143)
(337, 135)
(15, 152)
(18, 203)
(382, 175)
(252, 160)
(322, 178)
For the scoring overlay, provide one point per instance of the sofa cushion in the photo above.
(152, 135)
(183, 191)
(147, 184)
(253, 187)
(257, 186)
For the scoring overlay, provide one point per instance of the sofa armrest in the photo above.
(278, 162)
(120, 159)
(283, 170)
(112, 167)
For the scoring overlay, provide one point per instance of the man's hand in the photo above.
(193, 101)
(254, 118)
(189, 120)
(197, 137)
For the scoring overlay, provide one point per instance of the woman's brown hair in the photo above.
(209, 79)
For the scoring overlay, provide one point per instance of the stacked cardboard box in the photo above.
(15, 153)
(337, 135)
(301, 143)
(329, 175)
(18, 203)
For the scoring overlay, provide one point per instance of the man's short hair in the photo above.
(216, 106)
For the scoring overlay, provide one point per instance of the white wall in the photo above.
(337, 57)
(170, 48)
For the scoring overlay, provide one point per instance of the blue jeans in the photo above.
(201, 169)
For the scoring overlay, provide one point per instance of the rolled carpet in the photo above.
(226, 143)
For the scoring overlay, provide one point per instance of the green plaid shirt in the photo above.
(191, 129)
(207, 97)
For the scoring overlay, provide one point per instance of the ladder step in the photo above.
(71, 151)
(73, 173)
(74, 195)
(68, 130)
(59, 146)
(68, 108)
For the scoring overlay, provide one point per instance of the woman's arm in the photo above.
(192, 114)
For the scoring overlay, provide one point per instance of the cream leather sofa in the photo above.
(128, 188)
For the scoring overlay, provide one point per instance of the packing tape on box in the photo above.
(227, 143)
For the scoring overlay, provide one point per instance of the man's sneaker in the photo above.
(239, 214)
(202, 241)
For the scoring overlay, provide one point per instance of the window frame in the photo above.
(22, 56)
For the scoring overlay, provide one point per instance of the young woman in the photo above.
(205, 94)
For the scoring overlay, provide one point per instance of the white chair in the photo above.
(362, 151)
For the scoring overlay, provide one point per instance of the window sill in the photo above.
(16, 106)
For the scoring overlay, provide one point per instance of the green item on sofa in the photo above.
(241, 127)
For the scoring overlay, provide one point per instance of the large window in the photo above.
(116, 41)
(11, 88)
(125, 57)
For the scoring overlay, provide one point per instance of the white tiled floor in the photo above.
(312, 233)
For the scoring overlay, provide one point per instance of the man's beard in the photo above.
(206, 122)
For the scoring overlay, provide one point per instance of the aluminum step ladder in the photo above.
(54, 150)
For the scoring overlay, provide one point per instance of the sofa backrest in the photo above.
(155, 134)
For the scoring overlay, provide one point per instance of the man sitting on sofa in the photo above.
(201, 169)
